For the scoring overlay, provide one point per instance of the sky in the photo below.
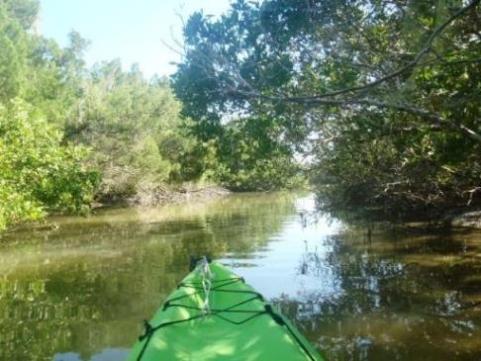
(130, 30)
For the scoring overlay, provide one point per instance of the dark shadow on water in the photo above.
(78, 288)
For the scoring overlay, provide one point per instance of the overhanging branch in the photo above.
(417, 59)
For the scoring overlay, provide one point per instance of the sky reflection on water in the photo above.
(294, 262)
(76, 289)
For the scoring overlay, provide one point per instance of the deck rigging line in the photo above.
(205, 290)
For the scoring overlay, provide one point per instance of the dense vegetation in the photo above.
(382, 96)
(39, 171)
(134, 131)
(71, 135)
(379, 98)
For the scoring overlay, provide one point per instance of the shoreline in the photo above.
(466, 219)
(162, 195)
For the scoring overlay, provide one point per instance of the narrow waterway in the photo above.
(78, 288)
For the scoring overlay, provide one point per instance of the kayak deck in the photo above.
(237, 325)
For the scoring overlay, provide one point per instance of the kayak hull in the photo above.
(237, 325)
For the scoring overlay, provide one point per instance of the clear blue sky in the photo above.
(131, 30)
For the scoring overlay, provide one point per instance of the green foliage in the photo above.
(37, 173)
(381, 96)
(12, 56)
(131, 127)
(25, 12)
(135, 130)
(55, 109)
(250, 158)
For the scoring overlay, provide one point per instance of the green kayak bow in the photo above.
(214, 315)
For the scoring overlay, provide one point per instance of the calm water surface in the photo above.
(76, 289)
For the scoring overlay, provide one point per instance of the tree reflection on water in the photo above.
(414, 297)
(78, 288)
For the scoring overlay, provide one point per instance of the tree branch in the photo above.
(419, 56)
(406, 108)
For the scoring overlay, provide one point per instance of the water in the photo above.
(76, 289)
